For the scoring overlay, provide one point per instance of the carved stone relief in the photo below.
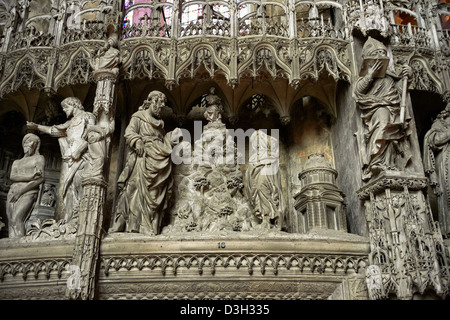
(381, 98)
(406, 255)
(71, 138)
(277, 43)
(319, 203)
(26, 176)
(436, 156)
(146, 182)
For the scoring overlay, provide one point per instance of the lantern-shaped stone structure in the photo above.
(320, 203)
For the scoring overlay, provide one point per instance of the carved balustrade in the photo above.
(409, 35)
(31, 37)
(319, 27)
(228, 32)
(444, 41)
(88, 30)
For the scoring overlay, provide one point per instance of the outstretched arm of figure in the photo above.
(54, 131)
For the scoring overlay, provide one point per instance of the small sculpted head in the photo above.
(70, 105)
(31, 144)
(155, 101)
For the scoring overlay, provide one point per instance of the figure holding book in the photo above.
(381, 98)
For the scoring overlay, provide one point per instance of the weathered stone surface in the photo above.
(304, 73)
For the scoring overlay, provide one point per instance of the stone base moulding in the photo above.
(319, 265)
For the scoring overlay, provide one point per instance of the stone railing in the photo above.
(320, 28)
(30, 37)
(229, 39)
(88, 30)
(146, 28)
(444, 41)
(409, 35)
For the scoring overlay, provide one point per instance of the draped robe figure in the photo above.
(108, 57)
(385, 134)
(263, 179)
(145, 183)
(437, 166)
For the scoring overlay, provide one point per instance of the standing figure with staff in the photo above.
(381, 98)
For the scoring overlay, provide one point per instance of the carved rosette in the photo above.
(407, 250)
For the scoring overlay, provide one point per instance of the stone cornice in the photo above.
(395, 180)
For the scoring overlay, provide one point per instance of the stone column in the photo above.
(407, 254)
(94, 182)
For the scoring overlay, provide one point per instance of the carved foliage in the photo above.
(201, 57)
(143, 64)
(256, 60)
(421, 77)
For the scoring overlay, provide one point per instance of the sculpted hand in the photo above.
(93, 137)
(16, 197)
(406, 72)
(76, 155)
(37, 175)
(32, 125)
(139, 147)
(374, 68)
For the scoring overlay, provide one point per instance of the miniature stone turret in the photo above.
(320, 203)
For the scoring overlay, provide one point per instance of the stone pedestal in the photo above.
(408, 254)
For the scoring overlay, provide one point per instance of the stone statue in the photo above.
(214, 107)
(48, 198)
(437, 165)
(97, 149)
(381, 97)
(108, 57)
(72, 137)
(27, 174)
(263, 180)
(145, 183)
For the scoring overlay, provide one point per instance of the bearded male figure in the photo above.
(436, 156)
(73, 144)
(145, 183)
